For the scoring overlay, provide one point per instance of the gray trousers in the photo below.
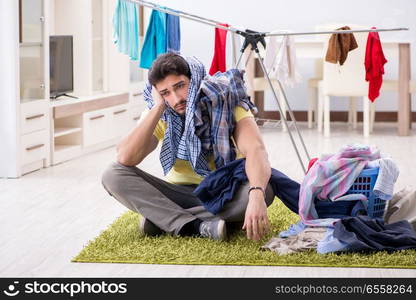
(167, 205)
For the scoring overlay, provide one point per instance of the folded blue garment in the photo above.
(363, 233)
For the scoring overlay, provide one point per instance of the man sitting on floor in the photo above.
(203, 123)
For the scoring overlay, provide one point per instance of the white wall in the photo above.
(299, 15)
(9, 92)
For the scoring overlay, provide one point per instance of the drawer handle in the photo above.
(34, 147)
(137, 94)
(35, 117)
(120, 111)
(136, 118)
(97, 117)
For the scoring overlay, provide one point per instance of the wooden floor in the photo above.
(48, 216)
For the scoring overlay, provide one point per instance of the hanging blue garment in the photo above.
(173, 34)
(155, 39)
(126, 29)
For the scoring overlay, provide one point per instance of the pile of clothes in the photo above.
(332, 218)
(327, 181)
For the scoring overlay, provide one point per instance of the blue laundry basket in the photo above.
(364, 184)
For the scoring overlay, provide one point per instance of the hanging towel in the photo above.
(330, 178)
(155, 39)
(280, 60)
(374, 65)
(125, 29)
(173, 34)
(339, 45)
(235, 45)
(219, 59)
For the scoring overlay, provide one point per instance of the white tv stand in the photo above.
(87, 124)
(39, 132)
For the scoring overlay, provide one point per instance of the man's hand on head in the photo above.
(256, 222)
(157, 98)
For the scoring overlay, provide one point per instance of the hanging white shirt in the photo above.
(280, 59)
(234, 43)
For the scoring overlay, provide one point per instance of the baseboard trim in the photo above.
(337, 116)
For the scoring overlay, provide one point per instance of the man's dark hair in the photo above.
(168, 64)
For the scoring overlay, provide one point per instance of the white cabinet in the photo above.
(89, 124)
(137, 99)
(34, 85)
(34, 146)
(137, 103)
(35, 141)
(96, 125)
(33, 50)
(105, 125)
(119, 121)
(34, 116)
(34, 82)
(37, 131)
(135, 113)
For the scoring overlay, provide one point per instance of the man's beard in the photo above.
(179, 104)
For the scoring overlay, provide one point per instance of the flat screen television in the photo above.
(61, 65)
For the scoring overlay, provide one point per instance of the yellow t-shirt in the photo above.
(182, 171)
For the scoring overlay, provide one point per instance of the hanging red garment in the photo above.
(374, 65)
(218, 62)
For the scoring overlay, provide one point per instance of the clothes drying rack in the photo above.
(253, 38)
